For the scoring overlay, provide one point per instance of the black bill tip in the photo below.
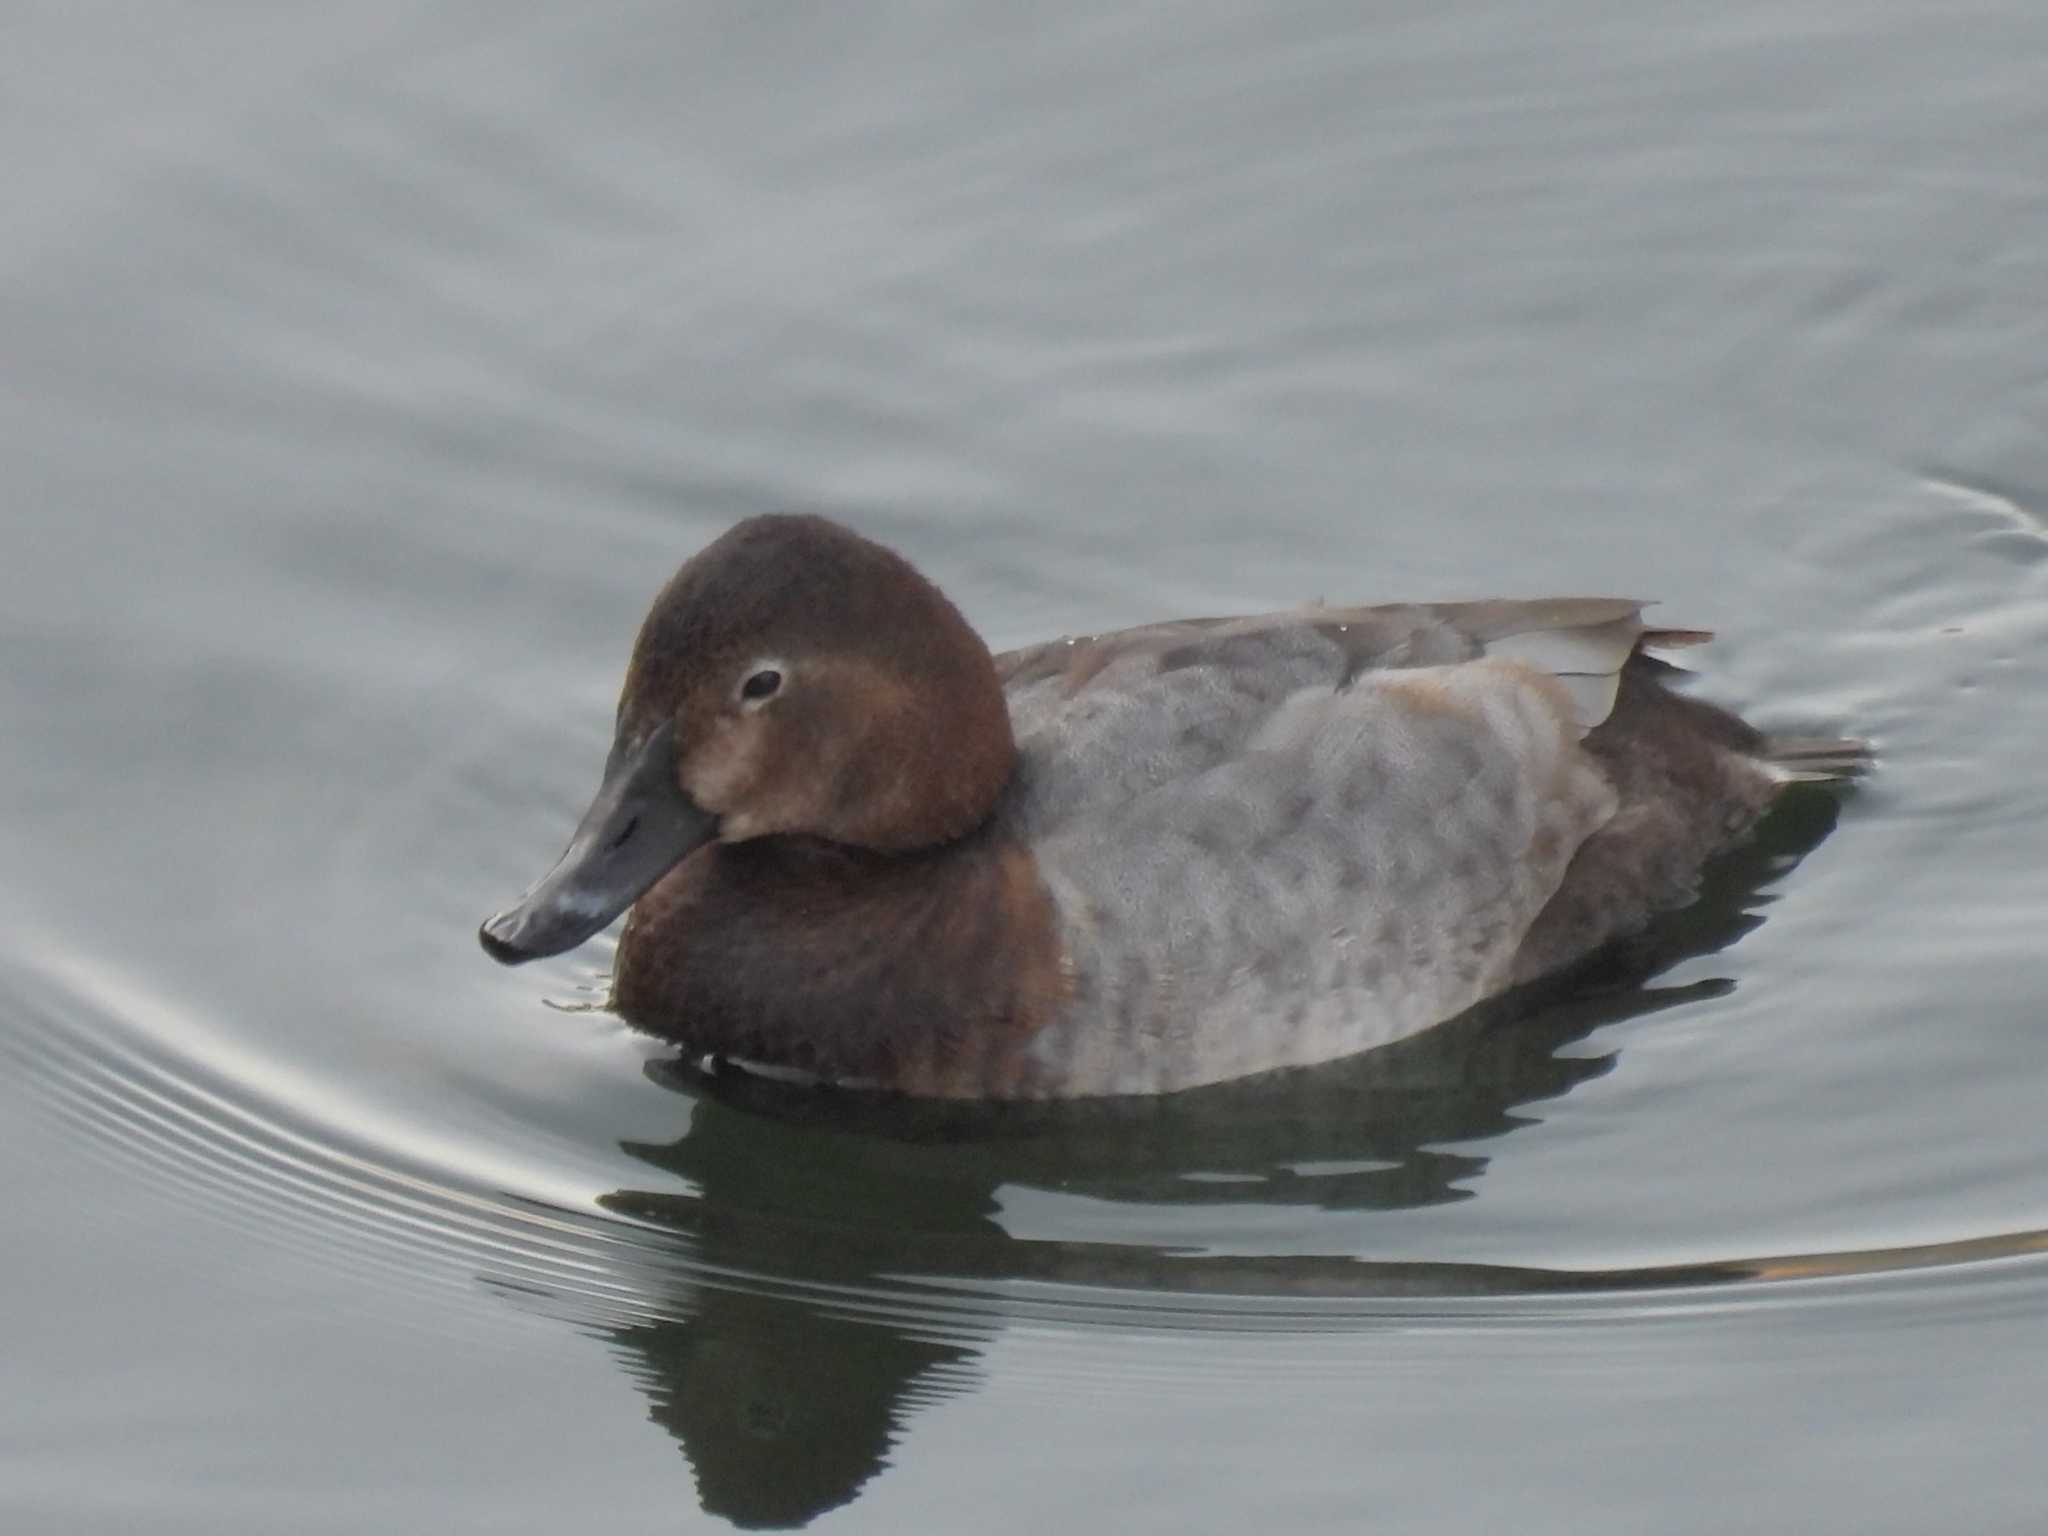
(499, 948)
(640, 826)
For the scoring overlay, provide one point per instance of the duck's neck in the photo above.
(927, 972)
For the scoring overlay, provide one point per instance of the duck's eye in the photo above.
(762, 685)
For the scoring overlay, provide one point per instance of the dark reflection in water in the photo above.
(796, 1349)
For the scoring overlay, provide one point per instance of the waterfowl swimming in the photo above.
(859, 848)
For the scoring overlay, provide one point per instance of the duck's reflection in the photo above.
(795, 1350)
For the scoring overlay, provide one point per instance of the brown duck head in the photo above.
(792, 680)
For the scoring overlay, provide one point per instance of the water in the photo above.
(362, 373)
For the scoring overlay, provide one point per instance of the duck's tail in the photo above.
(1790, 759)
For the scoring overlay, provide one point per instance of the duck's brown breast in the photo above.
(928, 973)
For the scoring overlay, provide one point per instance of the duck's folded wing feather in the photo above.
(1583, 642)
(1101, 717)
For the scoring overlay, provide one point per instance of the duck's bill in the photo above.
(640, 826)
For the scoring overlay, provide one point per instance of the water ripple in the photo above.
(153, 1089)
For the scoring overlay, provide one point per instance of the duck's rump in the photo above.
(1690, 780)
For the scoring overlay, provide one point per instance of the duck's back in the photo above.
(1280, 840)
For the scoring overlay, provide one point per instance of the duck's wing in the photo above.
(1106, 716)
(1582, 641)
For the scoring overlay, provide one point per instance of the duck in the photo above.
(855, 848)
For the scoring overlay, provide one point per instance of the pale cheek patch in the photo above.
(738, 775)
(720, 769)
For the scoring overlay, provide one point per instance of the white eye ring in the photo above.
(763, 681)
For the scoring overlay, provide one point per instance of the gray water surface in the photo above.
(362, 373)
